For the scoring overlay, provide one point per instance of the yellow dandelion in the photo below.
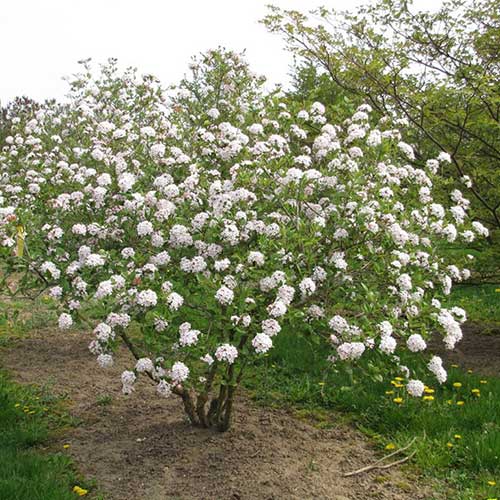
(399, 379)
(80, 491)
(492, 483)
(469, 371)
(428, 390)
(450, 445)
(457, 436)
(428, 398)
(483, 381)
(17, 405)
(389, 392)
(457, 384)
(460, 403)
(66, 446)
(475, 391)
(454, 366)
(449, 401)
(398, 400)
(390, 446)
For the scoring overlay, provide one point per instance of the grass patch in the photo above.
(457, 426)
(28, 417)
(20, 316)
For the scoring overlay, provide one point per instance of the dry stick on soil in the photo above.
(377, 465)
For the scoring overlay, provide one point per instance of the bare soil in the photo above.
(141, 447)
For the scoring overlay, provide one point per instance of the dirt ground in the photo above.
(141, 447)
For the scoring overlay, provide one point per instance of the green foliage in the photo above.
(459, 442)
(309, 85)
(27, 417)
(438, 71)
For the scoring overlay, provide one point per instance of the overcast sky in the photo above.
(41, 40)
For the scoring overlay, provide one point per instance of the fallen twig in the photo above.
(378, 464)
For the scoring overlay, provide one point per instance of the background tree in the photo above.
(439, 71)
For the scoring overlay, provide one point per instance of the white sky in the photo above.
(41, 40)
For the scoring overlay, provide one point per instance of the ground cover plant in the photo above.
(193, 224)
(28, 418)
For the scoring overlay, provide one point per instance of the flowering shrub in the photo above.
(194, 225)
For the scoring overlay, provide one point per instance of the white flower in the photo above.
(94, 260)
(224, 295)
(285, 292)
(126, 181)
(270, 327)
(79, 229)
(262, 343)
(128, 379)
(179, 372)
(144, 228)
(350, 350)
(144, 365)
(105, 360)
(147, 298)
(317, 108)
(388, 344)
(164, 389)
(338, 324)
(404, 282)
(207, 359)
(65, 321)
(175, 301)
(435, 365)
(187, 335)
(480, 229)
(385, 328)
(416, 343)
(256, 258)
(415, 388)
(277, 309)
(56, 292)
(148, 131)
(213, 113)
(307, 287)
(444, 157)
(103, 332)
(227, 353)
(157, 150)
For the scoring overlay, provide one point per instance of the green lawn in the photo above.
(27, 419)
